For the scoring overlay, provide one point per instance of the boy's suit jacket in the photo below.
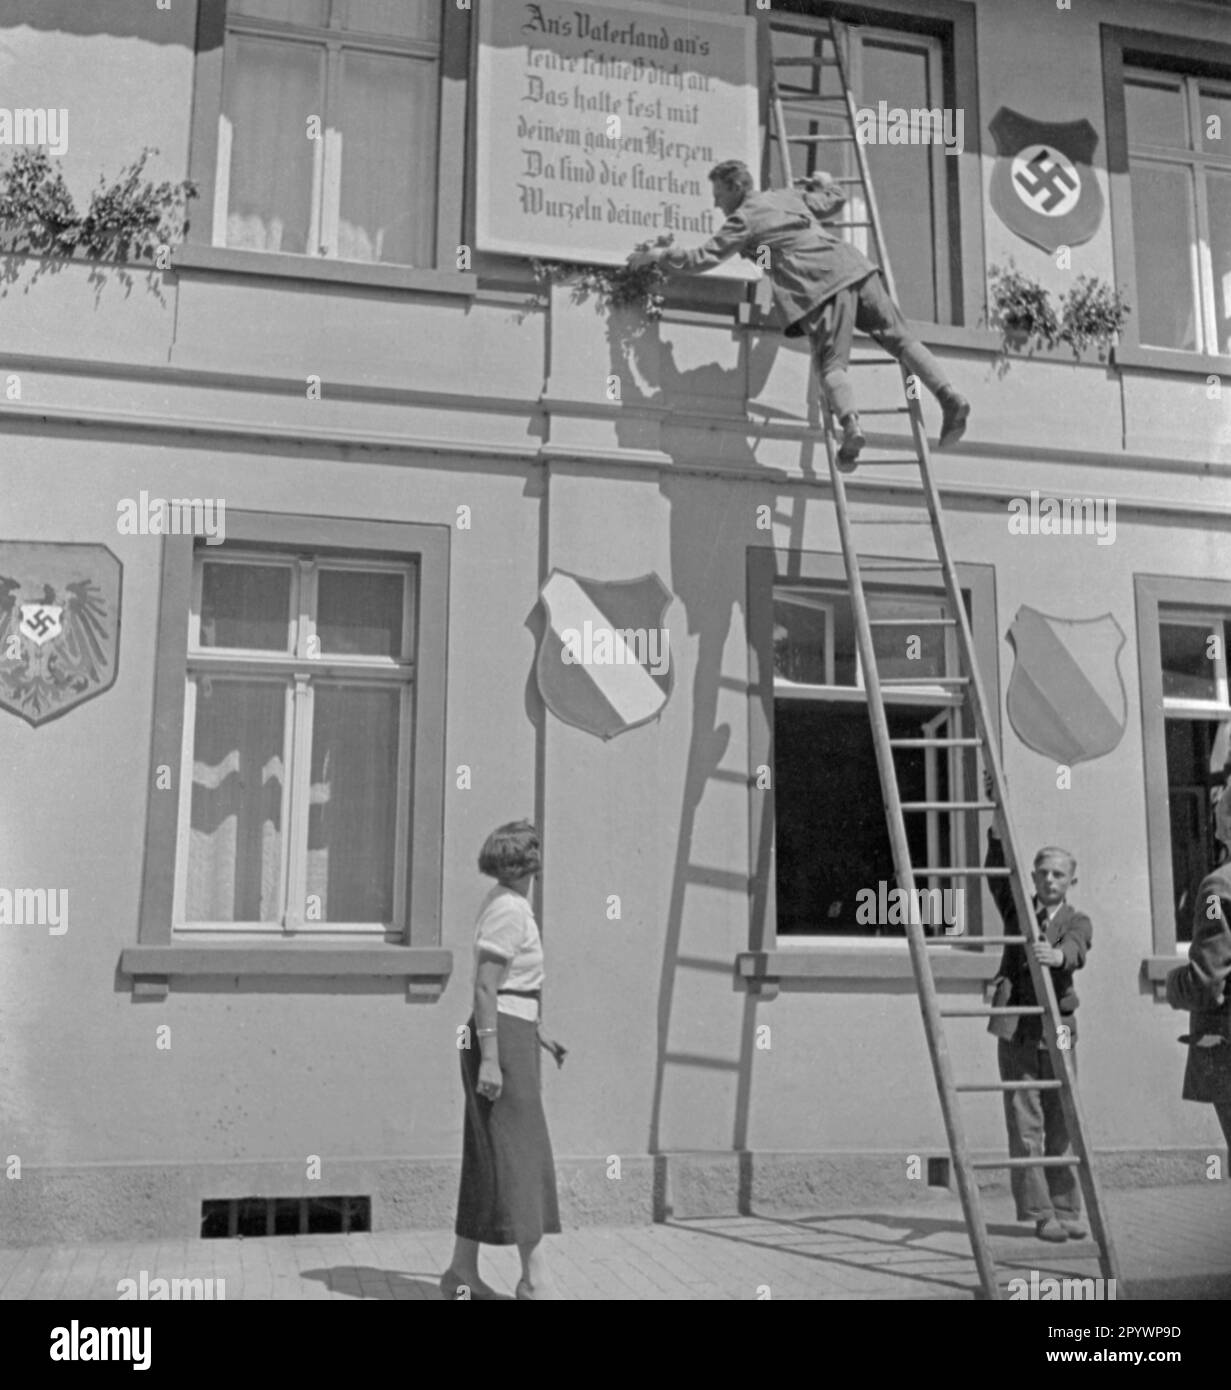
(1070, 930)
(1199, 985)
(808, 264)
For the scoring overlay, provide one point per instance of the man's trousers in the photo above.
(1036, 1125)
(865, 306)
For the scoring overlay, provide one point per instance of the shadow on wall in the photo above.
(707, 524)
(121, 19)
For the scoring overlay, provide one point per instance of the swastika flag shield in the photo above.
(1043, 184)
(1066, 696)
(604, 662)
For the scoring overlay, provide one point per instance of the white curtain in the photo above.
(272, 89)
(388, 130)
(235, 836)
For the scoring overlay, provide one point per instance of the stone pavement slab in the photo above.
(1172, 1242)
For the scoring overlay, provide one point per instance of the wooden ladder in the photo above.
(969, 711)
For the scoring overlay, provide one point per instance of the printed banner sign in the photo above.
(598, 124)
(59, 626)
(1043, 183)
(1066, 697)
(604, 662)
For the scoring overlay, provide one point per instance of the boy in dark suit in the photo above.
(823, 288)
(1203, 986)
(1050, 1197)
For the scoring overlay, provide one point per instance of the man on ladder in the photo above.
(824, 288)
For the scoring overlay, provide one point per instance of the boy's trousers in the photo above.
(868, 307)
(1035, 1121)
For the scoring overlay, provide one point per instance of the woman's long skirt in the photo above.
(508, 1186)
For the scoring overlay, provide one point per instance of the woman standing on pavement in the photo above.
(508, 1185)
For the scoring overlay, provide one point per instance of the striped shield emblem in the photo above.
(1066, 697)
(604, 663)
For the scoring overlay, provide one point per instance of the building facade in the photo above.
(264, 820)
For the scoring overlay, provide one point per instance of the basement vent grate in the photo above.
(938, 1172)
(229, 1217)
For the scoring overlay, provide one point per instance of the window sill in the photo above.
(425, 969)
(274, 265)
(819, 963)
(1167, 360)
(1155, 969)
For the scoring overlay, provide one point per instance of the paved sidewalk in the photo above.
(1173, 1242)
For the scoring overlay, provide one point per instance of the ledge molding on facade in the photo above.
(765, 971)
(152, 968)
(273, 265)
(533, 452)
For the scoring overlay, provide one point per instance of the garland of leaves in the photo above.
(615, 287)
(124, 222)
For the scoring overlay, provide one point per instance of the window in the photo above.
(1169, 126)
(295, 823)
(907, 64)
(1183, 627)
(327, 131)
(1197, 718)
(831, 836)
(296, 779)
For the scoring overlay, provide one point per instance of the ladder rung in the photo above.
(1009, 1086)
(851, 224)
(954, 871)
(955, 681)
(811, 62)
(798, 97)
(876, 565)
(876, 360)
(915, 622)
(989, 1011)
(1038, 1161)
(886, 410)
(821, 139)
(935, 743)
(947, 805)
(977, 941)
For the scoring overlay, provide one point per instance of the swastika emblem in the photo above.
(1044, 185)
(40, 622)
(1046, 180)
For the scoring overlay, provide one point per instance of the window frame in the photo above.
(302, 674)
(770, 958)
(1168, 595)
(451, 158)
(416, 956)
(954, 24)
(1189, 60)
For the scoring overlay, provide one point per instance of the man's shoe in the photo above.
(953, 422)
(1074, 1230)
(1050, 1229)
(853, 440)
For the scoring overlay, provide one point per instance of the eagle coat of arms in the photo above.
(59, 626)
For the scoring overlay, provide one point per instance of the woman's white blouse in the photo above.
(506, 928)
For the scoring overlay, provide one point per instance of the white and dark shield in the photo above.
(1043, 184)
(1066, 697)
(604, 661)
(59, 626)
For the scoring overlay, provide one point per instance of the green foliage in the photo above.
(615, 287)
(126, 221)
(1092, 313)
(1021, 306)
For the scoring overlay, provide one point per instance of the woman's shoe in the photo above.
(478, 1292)
(536, 1293)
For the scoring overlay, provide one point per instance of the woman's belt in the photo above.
(523, 993)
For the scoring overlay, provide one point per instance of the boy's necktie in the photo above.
(1040, 918)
